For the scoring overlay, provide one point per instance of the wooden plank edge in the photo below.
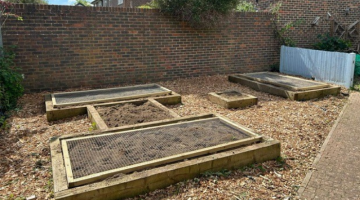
(95, 117)
(112, 88)
(67, 162)
(314, 94)
(162, 107)
(57, 163)
(238, 126)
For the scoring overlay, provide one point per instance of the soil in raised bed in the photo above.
(97, 154)
(231, 95)
(129, 114)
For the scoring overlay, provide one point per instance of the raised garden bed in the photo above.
(232, 99)
(113, 115)
(108, 95)
(290, 87)
(87, 162)
(53, 113)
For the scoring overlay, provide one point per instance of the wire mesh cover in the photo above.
(98, 154)
(93, 95)
(285, 80)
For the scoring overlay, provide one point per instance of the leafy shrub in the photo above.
(151, 5)
(199, 13)
(10, 83)
(245, 6)
(331, 43)
(275, 67)
(283, 33)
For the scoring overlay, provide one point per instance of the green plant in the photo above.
(331, 43)
(199, 13)
(10, 83)
(223, 172)
(150, 5)
(245, 6)
(83, 2)
(282, 32)
(93, 126)
(275, 67)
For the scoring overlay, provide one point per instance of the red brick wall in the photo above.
(65, 46)
(305, 34)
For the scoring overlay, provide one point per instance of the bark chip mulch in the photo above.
(301, 127)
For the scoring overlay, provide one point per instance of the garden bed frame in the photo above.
(127, 185)
(162, 91)
(54, 114)
(300, 95)
(95, 117)
(240, 102)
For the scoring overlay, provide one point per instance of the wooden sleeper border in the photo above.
(240, 102)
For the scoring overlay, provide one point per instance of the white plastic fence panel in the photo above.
(331, 67)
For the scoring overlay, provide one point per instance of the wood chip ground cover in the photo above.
(301, 127)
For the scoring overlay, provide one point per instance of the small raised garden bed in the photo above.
(232, 99)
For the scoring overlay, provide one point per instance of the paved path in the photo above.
(337, 174)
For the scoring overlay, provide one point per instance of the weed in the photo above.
(38, 164)
(223, 172)
(280, 160)
(242, 195)
(262, 168)
(196, 180)
(12, 197)
(92, 127)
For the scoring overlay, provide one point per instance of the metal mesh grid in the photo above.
(284, 80)
(98, 154)
(93, 95)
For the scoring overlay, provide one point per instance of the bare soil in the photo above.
(301, 127)
(94, 155)
(231, 95)
(128, 114)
